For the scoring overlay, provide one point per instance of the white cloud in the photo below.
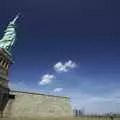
(58, 89)
(60, 67)
(46, 79)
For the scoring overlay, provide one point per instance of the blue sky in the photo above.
(85, 34)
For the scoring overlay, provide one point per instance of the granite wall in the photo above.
(36, 105)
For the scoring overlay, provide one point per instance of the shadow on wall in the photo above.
(4, 98)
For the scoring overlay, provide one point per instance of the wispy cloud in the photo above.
(58, 89)
(95, 103)
(64, 67)
(22, 86)
(18, 85)
(47, 79)
(58, 67)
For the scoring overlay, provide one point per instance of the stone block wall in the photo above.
(35, 105)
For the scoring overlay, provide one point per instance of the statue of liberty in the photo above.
(9, 37)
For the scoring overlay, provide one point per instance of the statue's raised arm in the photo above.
(15, 19)
(9, 37)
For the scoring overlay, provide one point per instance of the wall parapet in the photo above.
(36, 93)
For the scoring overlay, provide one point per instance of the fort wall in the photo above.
(36, 105)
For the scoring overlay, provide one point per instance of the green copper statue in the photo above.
(9, 37)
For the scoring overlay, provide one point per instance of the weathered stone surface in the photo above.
(36, 105)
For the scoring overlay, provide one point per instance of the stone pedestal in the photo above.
(5, 61)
